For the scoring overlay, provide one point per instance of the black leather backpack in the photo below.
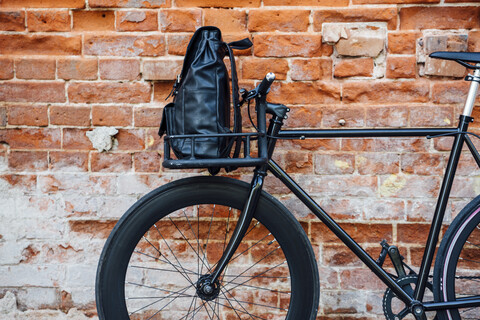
(202, 102)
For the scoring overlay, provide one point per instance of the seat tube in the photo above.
(472, 93)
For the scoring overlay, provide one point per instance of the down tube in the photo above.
(339, 232)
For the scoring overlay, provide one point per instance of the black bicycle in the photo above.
(219, 248)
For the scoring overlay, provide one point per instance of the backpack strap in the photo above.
(237, 115)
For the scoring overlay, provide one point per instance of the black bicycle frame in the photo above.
(275, 133)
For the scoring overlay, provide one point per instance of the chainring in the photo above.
(394, 308)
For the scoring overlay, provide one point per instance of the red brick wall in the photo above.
(69, 66)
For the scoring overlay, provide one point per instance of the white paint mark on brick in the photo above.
(392, 185)
(102, 138)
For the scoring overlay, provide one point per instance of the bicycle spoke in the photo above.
(208, 236)
(166, 270)
(161, 299)
(188, 242)
(186, 277)
(271, 252)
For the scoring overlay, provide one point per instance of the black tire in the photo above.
(250, 288)
(457, 266)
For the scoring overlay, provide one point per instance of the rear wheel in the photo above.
(157, 260)
(457, 266)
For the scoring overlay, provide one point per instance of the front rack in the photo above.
(193, 162)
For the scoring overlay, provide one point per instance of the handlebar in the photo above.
(266, 83)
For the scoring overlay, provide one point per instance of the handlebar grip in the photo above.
(266, 83)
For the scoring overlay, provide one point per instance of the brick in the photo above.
(68, 161)
(48, 20)
(111, 116)
(177, 43)
(76, 139)
(360, 279)
(393, 1)
(12, 20)
(93, 228)
(304, 117)
(147, 116)
(161, 89)
(412, 233)
(133, 140)
(272, 45)
(474, 41)
(423, 163)
(32, 91)
(24, 138)
(419, 18)
(111, 162)
(257, 68)
(74, 4)
(361, 67)
(124, 45)
(401, 67)
(378, 163)
(408, 186)
(402, 42)
(278, 20)
(27, 161)
(305, 93)
(334, 163)
(86, 20)
(296, 162)
(34, 68)
(322, 3)
(362, 233)
(311, 69)
(387, 116)
(134, 92)
(179, 20)
(6, 68)
(129, 3)
(386, 91)
(137, 20)
(77, 68)
(27, 182)
(402, 145)
(441, 116)
(29, 115)
(225, 19)
(353, 117)
(388, 15)
(362, 41)
(217, 3)
(23, 44)
(437, 67)
(449, 91)
(70, 116)
(147, 161)
(161, 69)
(119, 69)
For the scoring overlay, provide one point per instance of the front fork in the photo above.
(279, 113)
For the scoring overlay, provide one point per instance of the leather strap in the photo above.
(237, 115)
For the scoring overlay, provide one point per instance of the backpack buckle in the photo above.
(174, 91)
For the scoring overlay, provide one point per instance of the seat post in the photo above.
(472, 93)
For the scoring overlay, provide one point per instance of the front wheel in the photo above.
(159, 255)
(457, 266)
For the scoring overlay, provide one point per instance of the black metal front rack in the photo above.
(193, 162)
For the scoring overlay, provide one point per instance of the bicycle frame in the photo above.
(274, 133)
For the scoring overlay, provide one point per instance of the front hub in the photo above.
(206, 289)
